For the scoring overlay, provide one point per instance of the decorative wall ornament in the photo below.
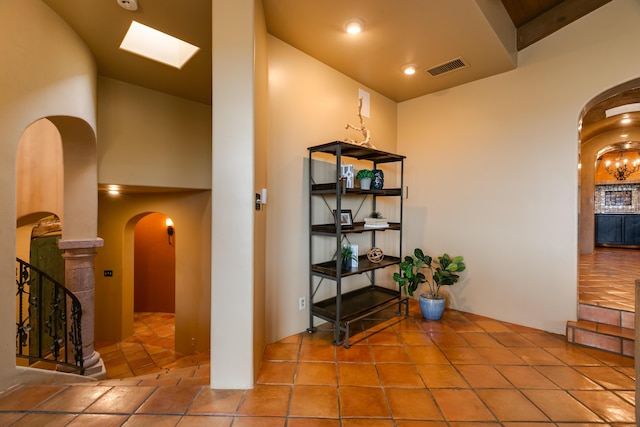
(366, 142)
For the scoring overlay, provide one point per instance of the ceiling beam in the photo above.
(554, 19)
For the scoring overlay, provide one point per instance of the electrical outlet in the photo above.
(302, 303)
(193, 342)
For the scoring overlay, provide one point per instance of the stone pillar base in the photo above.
(79, 278)
(96, 371)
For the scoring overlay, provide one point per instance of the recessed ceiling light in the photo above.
(156, 45)
(131, 5)
(354, 26)
(409, 70)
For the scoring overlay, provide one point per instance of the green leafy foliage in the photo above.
(346, 253)
(442, 272)
(364, 173)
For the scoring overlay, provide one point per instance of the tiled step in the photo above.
(605, 328)
(602, 336)
(605, 315)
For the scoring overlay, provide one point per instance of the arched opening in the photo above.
(148, 314)
(39, 199)
(54, 160)
(120, 214)
(154, 265)
(609, 217)
(609, 128)
(148, 273)
(154, 287)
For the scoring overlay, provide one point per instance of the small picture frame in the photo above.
(344, 218)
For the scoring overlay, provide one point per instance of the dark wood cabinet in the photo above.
(327, 193)
(617, 229)
(631, 234)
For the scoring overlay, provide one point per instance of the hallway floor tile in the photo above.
(465, 370)
(409, 373)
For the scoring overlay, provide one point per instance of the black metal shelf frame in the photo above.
(345, 309)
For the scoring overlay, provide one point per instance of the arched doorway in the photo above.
(148, 312)
(609, 133)
(119, 215)
(55, 177)
(609, 127)
(154, 265)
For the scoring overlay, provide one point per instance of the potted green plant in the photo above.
(346, 255)
(365, 176)
(442, 272)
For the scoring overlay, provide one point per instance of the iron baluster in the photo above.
(55, 337)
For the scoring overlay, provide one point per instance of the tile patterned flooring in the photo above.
(463, 371)
(606, 309)
(607, 278)
(150, 349)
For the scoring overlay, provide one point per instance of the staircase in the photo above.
(48, 323)
(609, 329)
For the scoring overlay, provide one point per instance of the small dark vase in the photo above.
(378, 180)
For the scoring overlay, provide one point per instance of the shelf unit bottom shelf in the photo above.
(356, 305)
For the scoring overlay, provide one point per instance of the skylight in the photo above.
(156, 45)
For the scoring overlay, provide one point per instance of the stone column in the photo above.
(79, 270)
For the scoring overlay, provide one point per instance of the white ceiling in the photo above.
(424, 32)
(397, 32)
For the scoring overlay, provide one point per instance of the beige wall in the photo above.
(152, 139)
(56, 79)
(261, 117)
(147, 138)
(309, 104)
(233, 241)
(191, 214)
(39, 170)
(492, 169)
(514, 222)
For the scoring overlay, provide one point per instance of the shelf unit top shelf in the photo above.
(357, 152)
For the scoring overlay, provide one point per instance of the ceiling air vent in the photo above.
(447, 67)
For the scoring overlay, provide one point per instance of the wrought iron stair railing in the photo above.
(48, 324)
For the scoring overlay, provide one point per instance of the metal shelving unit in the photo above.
(343, 309)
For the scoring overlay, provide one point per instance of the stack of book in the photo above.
(376, 223)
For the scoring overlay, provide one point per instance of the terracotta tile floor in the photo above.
(607, 277)
(465, 370)
(149, 350)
